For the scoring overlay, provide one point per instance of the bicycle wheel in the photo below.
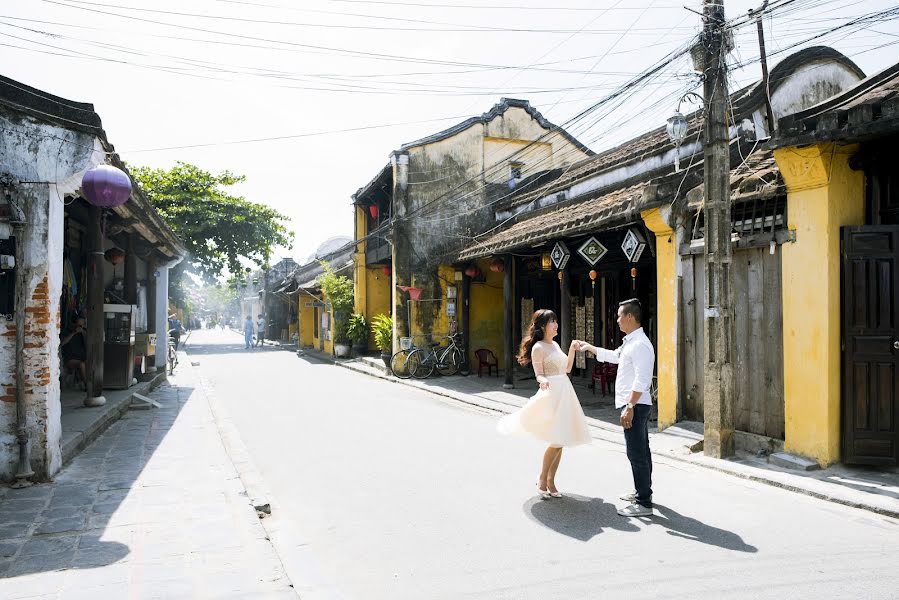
(419, 365)
(399, 364)
(452, 362)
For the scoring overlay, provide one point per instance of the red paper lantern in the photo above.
(593, 275)
(472, 271)
(373, 210)
(114, 255)
(387, 270)
(106, 187)
(497, 265)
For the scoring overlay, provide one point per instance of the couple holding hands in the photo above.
(554, 414)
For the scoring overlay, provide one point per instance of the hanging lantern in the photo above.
(497, 265)
(546, 262)
(472, 271)
(105, 186)
(114, 255)
(593, 275)
(386, 270)
(373, 210)
(634, 278)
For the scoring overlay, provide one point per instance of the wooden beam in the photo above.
(509, 320)
(130, 271)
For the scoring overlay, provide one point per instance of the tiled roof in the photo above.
(756, 177)
(559, 221)
(867, 110)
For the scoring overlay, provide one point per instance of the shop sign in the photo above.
(560, 255)
(633, 245)
(592, 251)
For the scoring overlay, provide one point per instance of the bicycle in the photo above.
(398, 363)
(421, 363)
(172, 357)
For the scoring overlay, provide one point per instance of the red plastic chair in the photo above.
(487, 359)
(606, 373)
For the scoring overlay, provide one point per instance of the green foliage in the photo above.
(357, 328)
(337, 288)
(218, 228)
(382, 326)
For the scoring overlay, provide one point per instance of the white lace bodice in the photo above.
(549, 360)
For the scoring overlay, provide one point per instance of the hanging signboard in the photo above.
(633, 245)
(560, 255)
(592, 251)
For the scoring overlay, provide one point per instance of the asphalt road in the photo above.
(383, 491)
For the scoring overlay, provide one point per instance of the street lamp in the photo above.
(678, 127)
(677, 131)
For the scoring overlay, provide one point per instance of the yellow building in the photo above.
(841, 319)
(623, 224)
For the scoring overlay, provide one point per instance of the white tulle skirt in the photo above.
(553, 415)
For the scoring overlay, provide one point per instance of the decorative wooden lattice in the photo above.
(527, 311)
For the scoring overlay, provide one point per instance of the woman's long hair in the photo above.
(535, 333)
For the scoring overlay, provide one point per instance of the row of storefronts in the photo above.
(84, 276)
(550, 225)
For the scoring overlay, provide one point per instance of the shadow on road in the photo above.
(584, 518)
(689, 528)
(577, 516)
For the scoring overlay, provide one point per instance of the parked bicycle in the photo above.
(398, 362)
(172, 358)
(421, 363)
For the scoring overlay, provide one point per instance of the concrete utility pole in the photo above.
(718, 385)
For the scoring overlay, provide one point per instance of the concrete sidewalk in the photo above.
(873, 489)
(152, 509)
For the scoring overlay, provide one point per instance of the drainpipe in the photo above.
(24, 472)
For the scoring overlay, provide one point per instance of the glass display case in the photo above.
(119, 322)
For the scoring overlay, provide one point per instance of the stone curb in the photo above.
(612, 434)
(257, 491)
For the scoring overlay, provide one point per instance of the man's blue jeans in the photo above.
(637, 441)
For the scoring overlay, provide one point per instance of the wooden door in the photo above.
(870, 341)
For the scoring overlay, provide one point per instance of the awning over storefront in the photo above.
(561, 220)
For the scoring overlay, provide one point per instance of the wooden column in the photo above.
(130, 271)
(565, 336)
(94, 308)
(465, 317)
(151, 295)
(509, 320)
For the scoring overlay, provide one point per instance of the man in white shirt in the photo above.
(635, 359)
(260, 331)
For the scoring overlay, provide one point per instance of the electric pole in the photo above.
(718, 405)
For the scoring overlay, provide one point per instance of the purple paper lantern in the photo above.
(106, 187)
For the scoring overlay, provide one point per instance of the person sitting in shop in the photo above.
(74, 349)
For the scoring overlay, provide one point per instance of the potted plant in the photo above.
(357, 331)
(382, 327)
(339, 291)
(341, 339)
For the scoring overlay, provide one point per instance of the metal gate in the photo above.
(758, 340)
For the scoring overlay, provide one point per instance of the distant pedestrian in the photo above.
(554, 413)
(248, 333)
(635, 359)
(260, 331)
(175, 329)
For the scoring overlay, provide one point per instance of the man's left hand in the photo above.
(627, 417)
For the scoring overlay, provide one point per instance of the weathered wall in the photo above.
(34, 152)
(452, 183)
(810, 84)
(486, 314)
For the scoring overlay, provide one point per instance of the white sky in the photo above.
(238, 80)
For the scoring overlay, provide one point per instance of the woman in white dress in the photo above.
(554, 413)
